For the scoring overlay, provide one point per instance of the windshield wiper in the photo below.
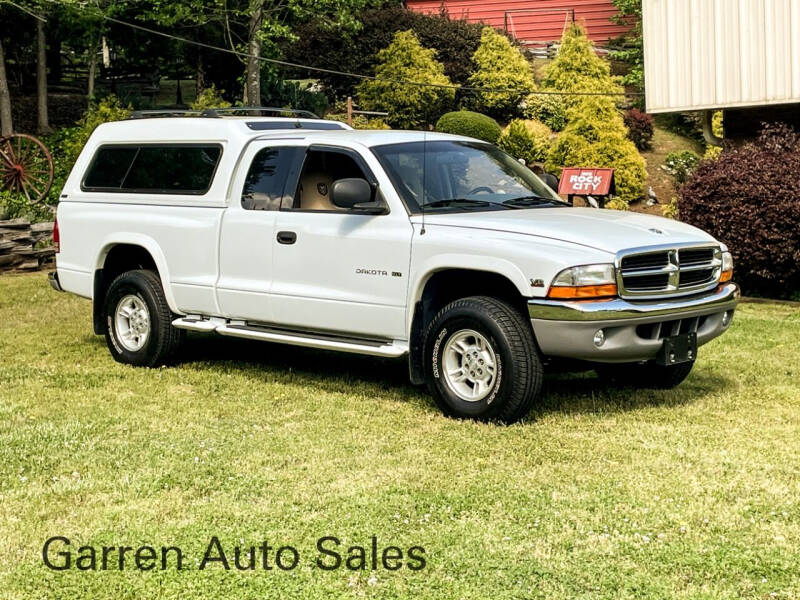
(459, 202)
(526, 201)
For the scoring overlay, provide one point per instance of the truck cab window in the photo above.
(320, 170)
(266, 180)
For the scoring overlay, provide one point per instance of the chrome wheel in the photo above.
(469, 365)
(132, 322)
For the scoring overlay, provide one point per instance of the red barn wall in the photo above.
(531, 21)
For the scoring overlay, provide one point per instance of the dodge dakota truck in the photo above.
(435, 248)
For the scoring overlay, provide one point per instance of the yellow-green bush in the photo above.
(597, 137)
(528, 140)
(210, 97)
(360, 121)
(409, 106)
(578, 68)
(547, 108)
(713, 152)
(501, 68)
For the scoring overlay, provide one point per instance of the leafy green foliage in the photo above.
(577, 68)
(681, 165)
(470, 124)
(455, 41)
(630, 48)
(360, 121)
(505, 74)
(597, 137)
(547, 108)
(409, 106)
(528, 140)
(210, 97)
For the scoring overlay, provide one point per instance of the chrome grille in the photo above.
(665, 271)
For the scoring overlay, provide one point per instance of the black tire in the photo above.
(517, 379)
(162, 341)
(645, 375)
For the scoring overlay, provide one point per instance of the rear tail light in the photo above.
(56, 237)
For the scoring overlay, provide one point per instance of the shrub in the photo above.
(640, 128)
(455, 41)
(360, 121)
(210, 97)
(470, 124)
(681, 165)
(577, 68)
(528, 140)
(546, 108)
(501, 67)
(597, 137)
(409, 106)
(718, 128)
(745, 200)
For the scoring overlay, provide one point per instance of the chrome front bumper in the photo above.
(567, 328)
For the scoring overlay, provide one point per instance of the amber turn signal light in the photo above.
(582, 291)
(726, 276)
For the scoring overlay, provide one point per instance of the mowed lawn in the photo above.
(602, 493)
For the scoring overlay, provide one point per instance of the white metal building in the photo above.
(721, 54)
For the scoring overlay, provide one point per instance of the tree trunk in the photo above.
(43, 125)
(93, 49)
(200, 74)
(6, 123)
(253, 68)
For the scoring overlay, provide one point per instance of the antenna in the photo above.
(424, 179)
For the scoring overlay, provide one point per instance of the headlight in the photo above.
(727, 267)
(589, 281)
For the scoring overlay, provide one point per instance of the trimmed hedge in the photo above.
(470, 124)
(748, 199)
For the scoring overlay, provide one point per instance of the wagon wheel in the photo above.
(26, 166)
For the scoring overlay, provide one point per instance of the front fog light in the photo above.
(600, 338)
(726, 318)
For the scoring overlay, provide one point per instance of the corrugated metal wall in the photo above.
(531, 20)
(704, 54)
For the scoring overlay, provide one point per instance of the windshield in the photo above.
(462, 176)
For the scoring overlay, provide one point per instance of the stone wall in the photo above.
(25, 246)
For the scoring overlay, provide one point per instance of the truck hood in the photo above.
(607, 230)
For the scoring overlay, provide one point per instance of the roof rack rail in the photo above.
(166, 112)
(215, 112)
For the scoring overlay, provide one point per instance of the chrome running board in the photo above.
(388, 349)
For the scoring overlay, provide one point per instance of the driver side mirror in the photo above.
(357, 195)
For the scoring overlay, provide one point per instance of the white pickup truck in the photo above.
(438, 248)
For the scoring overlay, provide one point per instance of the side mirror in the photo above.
(346, 193)
(357, 195)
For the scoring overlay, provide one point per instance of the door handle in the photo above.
(287, 237)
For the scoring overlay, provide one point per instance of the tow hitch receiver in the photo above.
(678, 349)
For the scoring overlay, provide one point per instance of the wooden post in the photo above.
(6, 124)
(350, 111)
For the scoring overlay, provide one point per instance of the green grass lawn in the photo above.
(602, 493)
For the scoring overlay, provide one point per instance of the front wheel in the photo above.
(645, 375)
(481, 361)
(139, 327)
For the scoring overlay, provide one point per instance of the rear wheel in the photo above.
(481, 361)
(645, 375)
(138, 320)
